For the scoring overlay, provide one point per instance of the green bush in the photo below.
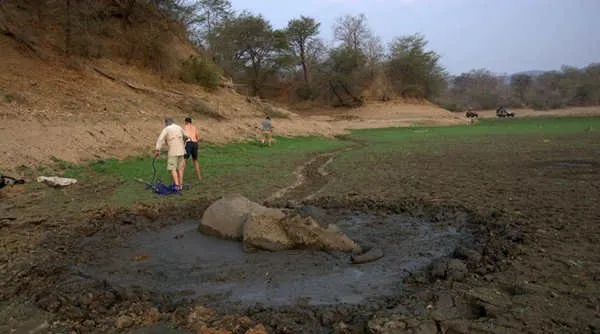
(413, 91)
(306, 92)
(198, 69)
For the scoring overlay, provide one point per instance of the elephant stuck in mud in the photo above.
(235, 217)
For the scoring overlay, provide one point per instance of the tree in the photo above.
(375, 53)
(412, 70)
(316, 55)
(211, 13)
(352, 31)
(182, 11)
(521, 84)
(249, 43)
(344, 73)
(589, 89)
(301, 32)
(316, 52)
(68, 28)
(127, 7)
(546, 93)
(479, 89)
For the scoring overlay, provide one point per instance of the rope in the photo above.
(154, 169)
(160, 188)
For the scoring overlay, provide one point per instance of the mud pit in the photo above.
(181, 262)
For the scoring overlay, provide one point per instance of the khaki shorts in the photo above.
(175, 162)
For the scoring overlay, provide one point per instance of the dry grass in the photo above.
(196, 107)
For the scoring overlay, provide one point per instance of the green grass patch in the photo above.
(438, 161)
(517, 126)
(257, 171)
(488, 134)
(246, 168)
(432, 139)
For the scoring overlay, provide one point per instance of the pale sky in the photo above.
(504, 36)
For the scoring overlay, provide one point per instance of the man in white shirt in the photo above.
(174, 136)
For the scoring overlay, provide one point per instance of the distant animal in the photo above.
(471, 114)
(7, 180)
(504, 112)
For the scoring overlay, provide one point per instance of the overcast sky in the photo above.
(504, 36)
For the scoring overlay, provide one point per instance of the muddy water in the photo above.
(180, 261)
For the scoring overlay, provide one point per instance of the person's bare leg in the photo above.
(197, 168)
(175, 176)
(180, 169)
(180, 174)
(270, 139)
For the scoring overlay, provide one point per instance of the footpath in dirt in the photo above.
(311, 177)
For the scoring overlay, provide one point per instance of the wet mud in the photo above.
(156, 270)
(180, 261)
(138, 268)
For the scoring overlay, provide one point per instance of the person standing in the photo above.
(267, 131)
(174, 136)
(191, 145)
